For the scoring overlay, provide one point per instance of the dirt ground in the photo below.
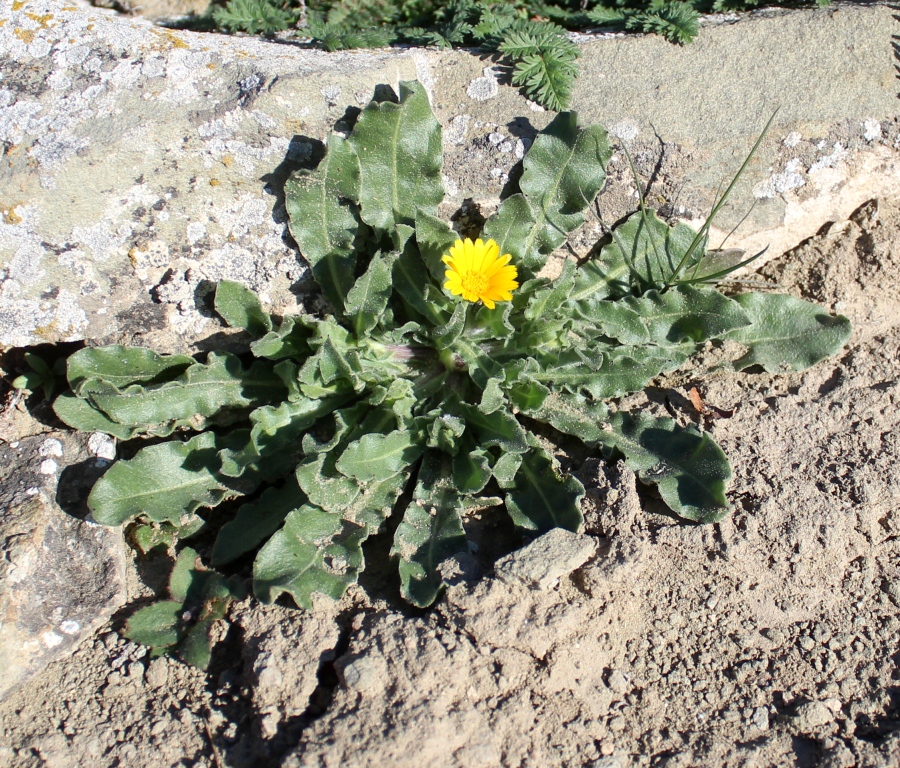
(770, 639)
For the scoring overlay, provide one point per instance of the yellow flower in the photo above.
(477, 272)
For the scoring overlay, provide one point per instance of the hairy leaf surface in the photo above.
(689, 469)
(431, 531)
(542, 498)
(162, 481)
(323, 217)
(787, 333)
(316, 552)
(400, 156)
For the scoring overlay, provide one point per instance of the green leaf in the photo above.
(200, 393)
(121, 366)
(195, 649)
(324, 485)
(323, 213)
(681, 314)
(565, 168)
(605, 275)
(444, 335)
(80, 414)
(546, 302)
(445, 432)
(185, 579)
(158, 625)
(787, 333)
(543, 499)
(471, 469)
(400, 157)
(496, 429)
(37, 364)
(30, 381)
(240, 308)
(413, 282)
(505, 468)
(492, 398)
(620, 371)
(368, 298)
(434, 238)
(289, 339)
(519, 229)
(375, 501)
(149, 536)
(573, 415)
(653, 250)
(379, 457)
(256, 521)
(690, 470)
(162, 481)
(315, 552)
(431, 531)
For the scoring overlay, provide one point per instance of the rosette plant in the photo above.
(418, 394)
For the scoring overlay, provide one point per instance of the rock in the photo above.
(162, 153)
(812, 715)
(547, 559)
(61, 579)
(157, 9)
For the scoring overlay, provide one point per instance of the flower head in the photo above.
(477, 272)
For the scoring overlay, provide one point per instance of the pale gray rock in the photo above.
(547, 559)
(812, 715)
(142, 164)
(60, 579)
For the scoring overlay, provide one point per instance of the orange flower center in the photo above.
(475, 282)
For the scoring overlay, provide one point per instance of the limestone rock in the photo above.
(157, 9)
(547, 559)
(142, 164)
(60, 579)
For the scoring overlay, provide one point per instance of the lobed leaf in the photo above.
(682, 314)
(119, 367)
(379, 457)
(80, 414)
(689, 469)
(162, 481)
(200, 393)
(240, 308)
(434, 237)
(564, 170)
(315, 552)
(368, 298)
(787, 333)
(573, 415)
(289, 339)
(431, 531)
(256, 521)
(653, 251)
(541, 498)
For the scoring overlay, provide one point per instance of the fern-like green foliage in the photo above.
(544, 62)
(254, 16)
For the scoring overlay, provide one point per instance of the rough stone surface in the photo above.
(547, 559)
(143, 164)
(61, 579)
